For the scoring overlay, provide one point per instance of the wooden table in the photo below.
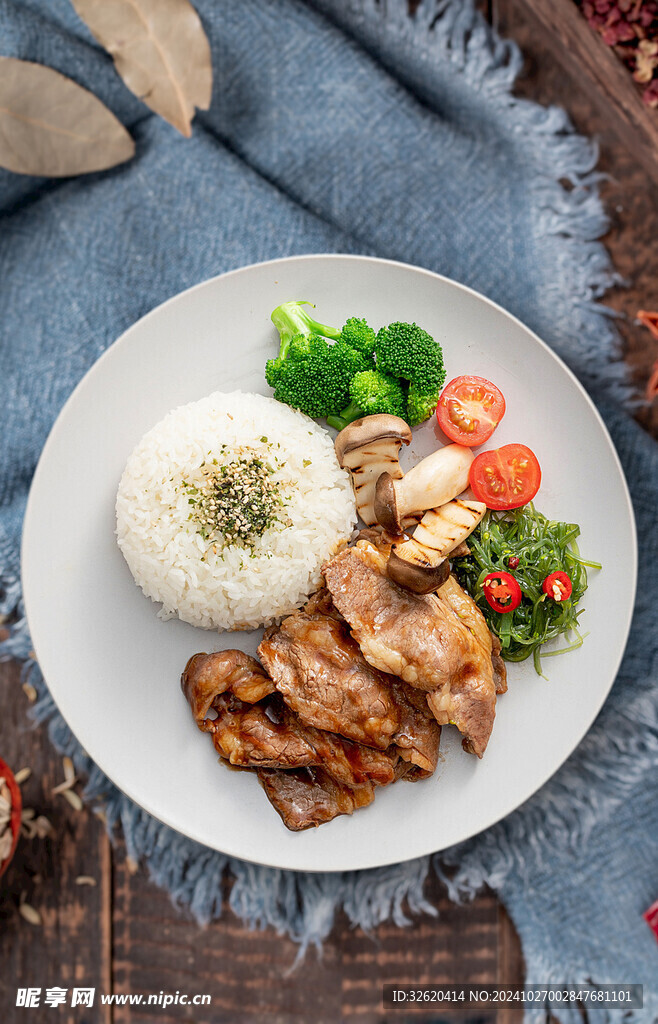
(122, 934)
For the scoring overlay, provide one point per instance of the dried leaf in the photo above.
(160, 50)
(51, 127)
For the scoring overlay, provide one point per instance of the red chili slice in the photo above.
(502, 591)
(558, 586)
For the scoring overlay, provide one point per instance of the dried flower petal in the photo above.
(6, 843)
(648, 320)
(651, 917)
(73, 799)
(651, 392)
(42, 827)
(650, 94)
(631, 28)
(31, 915)
(646, 60)
(30, 692)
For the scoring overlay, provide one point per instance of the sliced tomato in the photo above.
(506, 477)
(470, 409)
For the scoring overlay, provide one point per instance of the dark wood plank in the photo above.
(599, 73)
(72, 947)
(248, 973)
(552, 74)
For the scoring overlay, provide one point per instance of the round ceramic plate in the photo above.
(113, 666)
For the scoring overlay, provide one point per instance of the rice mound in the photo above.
(232, 587)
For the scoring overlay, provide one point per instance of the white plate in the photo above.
(113, 667)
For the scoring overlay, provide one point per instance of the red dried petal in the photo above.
(650, 94)
(651, 917)
(649, 319)
(619, 33)
(652, 385)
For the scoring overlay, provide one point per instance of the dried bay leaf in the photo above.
(160, 50)
(52, 127)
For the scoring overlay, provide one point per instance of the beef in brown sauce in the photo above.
(207, 676)
(269, 734)
(321, 673)
(421, 638)
(309, 797)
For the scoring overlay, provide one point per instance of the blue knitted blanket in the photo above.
(347, 126)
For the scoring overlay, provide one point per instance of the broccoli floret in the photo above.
(406, 350)
(315, 376)
(290, 319)
(358, 335)
(321, 379)
(371, 392)
(303, 345)
(351, 357)
(421, 404)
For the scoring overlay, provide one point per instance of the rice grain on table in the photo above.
(210, 582)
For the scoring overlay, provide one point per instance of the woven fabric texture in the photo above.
(347, 126)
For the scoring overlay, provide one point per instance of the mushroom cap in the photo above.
(386, 504)
(381, 427)
(420, 579)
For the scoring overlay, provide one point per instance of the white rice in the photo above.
(233, 588)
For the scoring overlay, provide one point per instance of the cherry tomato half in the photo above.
(469, 410)
(506, 477)
(558, 586)
(502, 591)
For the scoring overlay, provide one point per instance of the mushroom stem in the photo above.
(369, 448)
(433, 482)
(421, 563)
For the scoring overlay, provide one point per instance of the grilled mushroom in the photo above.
(436, 480)
(421, 562)
(370, 447)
